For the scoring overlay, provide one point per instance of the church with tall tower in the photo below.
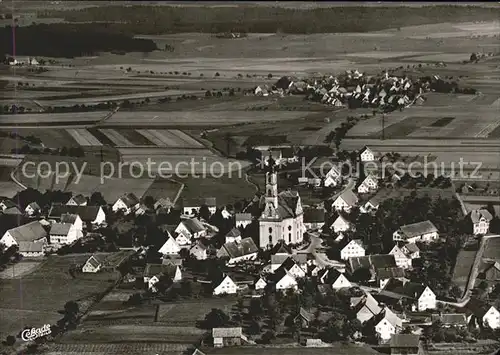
(282, 214)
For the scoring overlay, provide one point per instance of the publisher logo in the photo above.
(33, 333)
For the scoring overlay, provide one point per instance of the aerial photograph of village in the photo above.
(249, 178)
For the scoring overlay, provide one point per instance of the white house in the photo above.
(369, 206)
(64, 233)
(422, 231)
(32, 209)
(283, 280)
(412, 250)
(341, 225)
(370, 183)
(346, 201)
(199, 251)
(127, 203)
(30, 232)
(191, 228)
(78, 200)
(480, 221)
(88, 214)
(366, 154)
(170, 247)
(74, 219)
(385, 275)
(333, 277)
(30, 249)
(261, 283)
(234, 235)
(225, 285)
(426, 299)
(154, 272)
(354, 248)
(482, 314)
(366, 307)
(243, 219)
(165, 204)
(293, 268)
(238, 251)
(93, 264)
(333, 177)
(402, 259)
(387, 323)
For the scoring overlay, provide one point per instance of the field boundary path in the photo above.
(13, 177)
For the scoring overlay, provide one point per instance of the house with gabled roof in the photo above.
(224, 284)
(165, 204)
(424, 231)
(30, 232)
(314, 218)
(127, 203)
(373, 262)
(384, 276)
(304, 318)
(191, 206)
(405, 344)
(12, 211)
(31, 249)
(411, 250)
(234, 235)
(170, 247)
(480, 314)
(78, 200)
(333, 177)
(370, 183)
(64, 233)
(354, 248)
(387, 323)
(154, 272)
(341, 225)
(282, 280)
(223, 337)
(366, 307)
(191, 228)
(402, 259)
(93, 264)
(489, 270)
(370, 206)
(278, 259)
(448, 320)
(32, 209)
(6, 204)
(480, 221)
(238, 251)
(88, 214)
(281, 248)
(345, 201)
(199, 251)
(366, 154)
(424, 298)
(293, 268)
(334, 278)
(242, 219)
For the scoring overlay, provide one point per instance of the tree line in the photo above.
(71, 40)
(247, 19)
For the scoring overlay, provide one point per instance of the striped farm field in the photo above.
(170, 138)
(116, 138)
(135, 137)
(52, 119)
(83, 137)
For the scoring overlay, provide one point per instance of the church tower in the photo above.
(271, 194)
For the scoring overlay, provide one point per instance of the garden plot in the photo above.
(137, 96)
(405, 128)
(116, 138)
(83, 137)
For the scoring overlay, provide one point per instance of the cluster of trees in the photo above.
(340, 132)
(409, 182)
(77, 152)
(14, 135)
(446, 87)
(166, 19)
(8, 255)
(71, 40)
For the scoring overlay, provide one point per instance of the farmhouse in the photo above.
(243, 219)
(422, 295)
(370, 183)
(170, 247)
(228, 337)
(191, 229)
(412, 250)
(23, 61)
(93, 264)
(293, 268)
(354, 248)
(366, 307)
(282, 280)
(370, 206)
(282, 217)
(31, 232)
(422, 231)
(387, 323)
(450, 319)
(12, 211)
(191, 207)
(154, 272)
(78, 200)
(224, 285)
(366, 154)
(32, 209)
(6, 204)
(127, 204)
(64, 233)
(374, 262)
(333, 277)
(73, 219)
(237, 251)
(165, 204)
(314, 218)
(278, 259)
(341, 225)
(333, 177)
(31, 249)
(402, 259)
(234, 235)
(480, 221)
(199, 251)
(346, 201)
(480, 314)
(405, 344)
(88, 214)
(261, 283)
